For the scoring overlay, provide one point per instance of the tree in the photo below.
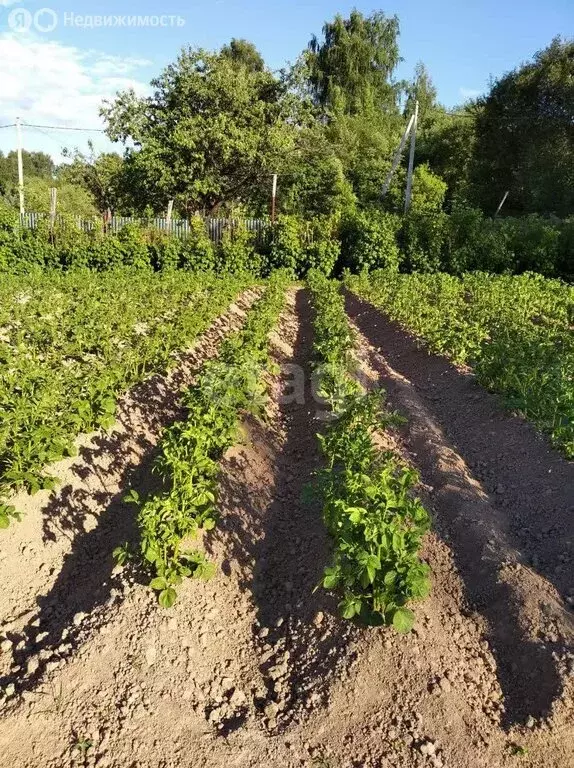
(365, 144)
(351, 69)
(244, 53)
(102, 176)
(312, 179)
(72, 199)
(525, 136)
(211, 134)
(446, 143)
(421, 89)
(37, 164)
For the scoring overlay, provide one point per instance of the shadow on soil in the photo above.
(122, 459)
(85, 582)
(287, 541)
(529, 489)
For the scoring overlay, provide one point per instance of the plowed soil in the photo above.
(255, 668)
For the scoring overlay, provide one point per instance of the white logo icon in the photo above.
(20, 18)
(44, 20)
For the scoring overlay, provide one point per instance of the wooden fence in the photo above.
(179, 227)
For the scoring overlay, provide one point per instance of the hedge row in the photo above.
(292, 244)
(425, 241)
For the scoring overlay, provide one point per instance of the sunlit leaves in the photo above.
(71, 343)
(190, 450)
(368, 506)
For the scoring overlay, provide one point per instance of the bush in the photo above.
(287, 251)
(133, 245)
(165, 251)
(535, 243)
(236, 252)
(198, 251)
(565, 256)
(27, 251)
(105, 252)
(369, 241)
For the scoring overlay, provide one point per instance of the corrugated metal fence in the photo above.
(178, 227)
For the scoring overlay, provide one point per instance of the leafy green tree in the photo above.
(351, 69)
(72, 199)
(312, 180)
(38, 164)
(421, 89)
(212, 133)
(103, 176)
(244, 53)
(525, 136)
(365, 144)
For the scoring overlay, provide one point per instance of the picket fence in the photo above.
(178, 227)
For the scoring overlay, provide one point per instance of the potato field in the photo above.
(268, 522)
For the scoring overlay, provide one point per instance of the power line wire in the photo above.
(62, 128)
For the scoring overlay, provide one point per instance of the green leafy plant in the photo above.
(515, 331)
(369, 509)
(71, 343)
(190, 450)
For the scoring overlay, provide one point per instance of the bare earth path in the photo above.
(254, 669)
(504, 501)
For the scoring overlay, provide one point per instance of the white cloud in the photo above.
(6, 3)
(469, 93)
(48, 83)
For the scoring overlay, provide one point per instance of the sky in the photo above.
(55, 69)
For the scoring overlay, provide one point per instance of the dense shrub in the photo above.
(369, 241)
(534, 242)
(287, 250)
(134, 246)
(425, 240)
(165, 251)
(236, 252)
(197, 251)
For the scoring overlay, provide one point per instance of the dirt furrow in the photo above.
(67, 537)
(453, 426)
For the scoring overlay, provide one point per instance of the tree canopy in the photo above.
(351, 69)
(219, 124)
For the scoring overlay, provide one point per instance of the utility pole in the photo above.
(273, 197)
(20, 166)
(397, 157)
(169, 214)
(411, 159)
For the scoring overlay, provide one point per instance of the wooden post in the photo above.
(397, 158)
(273, 197)
(168, 215)
(53, 204)
(20, 167)
(502, 202)
(411, 160)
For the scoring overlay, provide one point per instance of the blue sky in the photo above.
(60, 77)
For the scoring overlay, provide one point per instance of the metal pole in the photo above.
(411, 160)
(20, 167)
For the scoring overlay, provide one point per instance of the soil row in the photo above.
(255, 668)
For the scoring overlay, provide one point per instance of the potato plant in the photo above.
(71, 343)
(369, 509)
(190, 451)
(516, 331)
